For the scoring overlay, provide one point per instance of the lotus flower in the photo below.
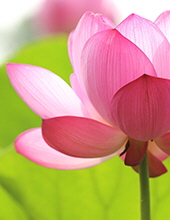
(63, 15)
(119, 103)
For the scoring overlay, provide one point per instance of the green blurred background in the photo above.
(30, 192)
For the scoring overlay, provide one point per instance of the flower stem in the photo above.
(144, 189)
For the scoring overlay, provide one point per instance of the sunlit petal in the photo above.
(110, 61)
(31, 145)
(88, 25)
(82, 137)
(163, 22)
(148, 37)
(43, 91)
(163, 143)
(141, 109)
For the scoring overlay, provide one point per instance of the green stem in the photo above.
(144, 189)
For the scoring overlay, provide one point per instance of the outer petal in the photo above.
(44, 92)
(148, 37)
(163, 22)
(163, 143)
(32, 146)
(136, 152)
(110, 61)
(88, 25)
(153, 149)
(156, 151)
(156, 167)
(141, 109)
(82, 137)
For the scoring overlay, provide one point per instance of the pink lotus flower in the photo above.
(119, 102)
(63, 15)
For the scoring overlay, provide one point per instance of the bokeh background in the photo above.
(30, 192)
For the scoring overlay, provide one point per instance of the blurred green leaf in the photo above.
(107, 191)
(30, 192)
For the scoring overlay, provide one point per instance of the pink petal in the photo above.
(148, 37)
(153, 148)
(82, 137)
(136, 152)
(163, 143)
(163, 22)
(156, 151)
(44, 92)
(156, 167)
(77, 88)
(88, 25)
(87, 108)
(110, 61)
(32, 146)
(70, 46)
(141, 109)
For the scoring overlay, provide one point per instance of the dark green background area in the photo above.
(30, 192)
